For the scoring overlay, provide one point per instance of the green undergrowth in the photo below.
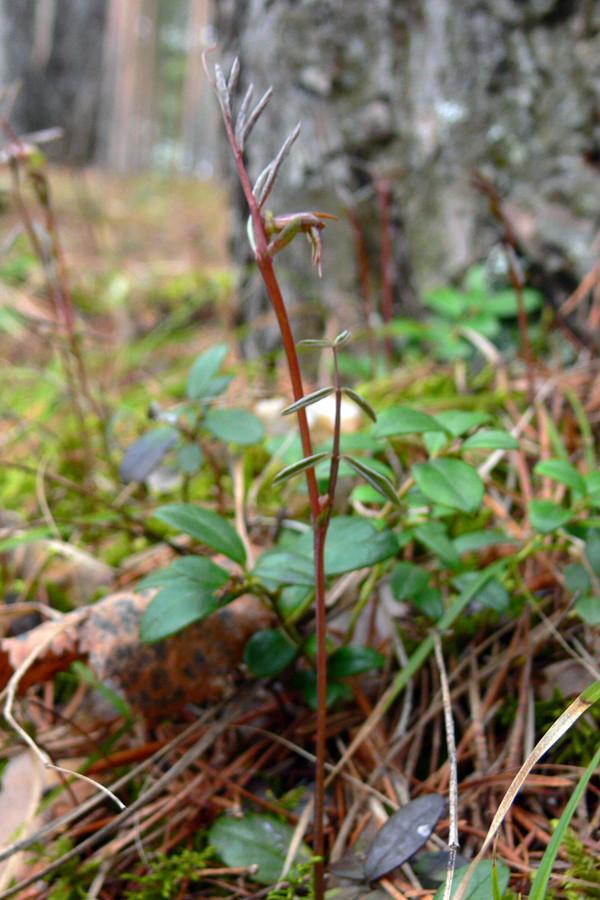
(140, 428)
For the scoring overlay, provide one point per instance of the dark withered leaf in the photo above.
(403, 834)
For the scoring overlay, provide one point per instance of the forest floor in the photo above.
(153, 289)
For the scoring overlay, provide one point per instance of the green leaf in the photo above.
(430, 602)
(301, 466)
(375, 479)
(305, 681)
(547, 516)
(237, 426)
(451, 482)
(459, 421)
(255, 840)
(178, 604)
(268, 653)
(588, 609)
(205, 526)
(403, 420)
(562, 471)
(491, 439)
(202, 571)
(360, 402)
(308, 400)
(351, 543)
(187, 596)
(158, 579)
(592, 550)
(408, 580)
(577, 579)
(503, 304)
(190, 458)
(493, 595)
(450, 302)
(481, 885)
(592, 488)
(203, 371)
(433, 536)
(477, 540)
(435, 441)
(285, 568)
(352, 660)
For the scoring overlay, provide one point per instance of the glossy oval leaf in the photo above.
(404, 420)
(430, 602)
(285, 568)
(351, 543)
(405, 832)
(504, 303)
(592, 488)
(547, 516)
(492, 595)
(451, 482)
(178, 604)
(352, 660)
(459, 421)
(491, 439)
(255, 840)
(435, 441)
(305, 682)
(205, 526)
(378, 481)
(203, 371)
(592, 549)
(268, 652)
(577, 579)
(433, 536)
(481, 884)
(408, 580)
(190, 458)
(588, 609)
(432, 867)
(477, 540)
(562, 471)
(145, 454)
(235, 426)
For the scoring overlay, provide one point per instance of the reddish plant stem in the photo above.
(265, 264)
(319, 515)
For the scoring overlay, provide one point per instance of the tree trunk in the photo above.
(417, 95)
(54, 48)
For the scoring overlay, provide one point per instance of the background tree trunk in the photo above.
(54, 47)
(419, 94)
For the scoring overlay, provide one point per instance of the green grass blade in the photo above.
(540, 882)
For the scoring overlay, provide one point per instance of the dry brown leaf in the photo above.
(195, 665)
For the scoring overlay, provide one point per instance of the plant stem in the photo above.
(320, 513)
